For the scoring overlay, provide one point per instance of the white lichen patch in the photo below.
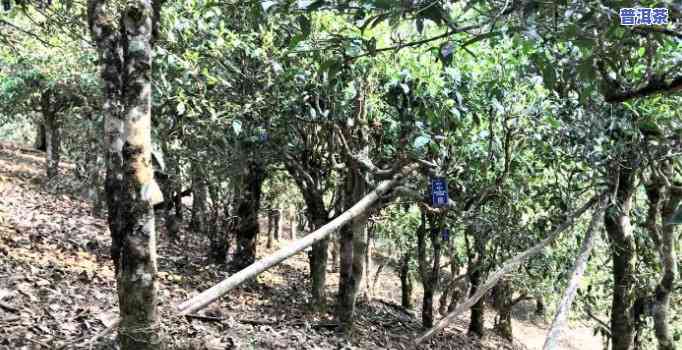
(146, 279)
(136, 46)
(150, 192)
(117, 145)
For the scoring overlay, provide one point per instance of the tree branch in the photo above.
(604, 325)
(564, 307)
(654, 86)
(665, 31)
(505, 269)
(23, 31)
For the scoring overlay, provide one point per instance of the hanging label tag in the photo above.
(439, 192)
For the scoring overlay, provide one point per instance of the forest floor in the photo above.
(57, 287)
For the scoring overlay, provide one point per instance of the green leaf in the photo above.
(585, 70)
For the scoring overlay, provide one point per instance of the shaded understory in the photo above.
(57, 285)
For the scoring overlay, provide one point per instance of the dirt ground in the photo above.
(57, 288)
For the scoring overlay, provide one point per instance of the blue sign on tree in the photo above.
(439, 192)
(446, 234)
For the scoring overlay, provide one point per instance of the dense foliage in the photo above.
(527, 108)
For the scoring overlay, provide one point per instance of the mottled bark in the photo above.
(40, 143)
(503, 292)
(475, 272)
(248, 204)
(53, 143)
(130, 186)
(359, 226)
(273, 226)
(216, 228)
(318, 273)
(663, 200)
(367, 267)
(620, 233)
(176, 180)
(107, 36)
(318, 264)
(355, 133)
(449, 288)
(476, 323)
(540, 306)
(664, 289)
(353, 248)
(137, 279)
(346, 302)
(458, 286)
(199, 197)
(429, 271)
(335, 249)
(174, 198)
(167, 180)
(309, 183)
(406, 281)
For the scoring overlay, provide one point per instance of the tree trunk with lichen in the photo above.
(475, 273)
(52, 134)
(620, 232)
(430, 275)
(137, 279)
(353, 237)
(352, 257)
(274, 225)
(40, 142)
(406, 281)
(663, 201)
(540, 305)
(107, 36)
(318, 264)
(664, 289)
(503, 304)
(199, 197)
(130, 186)
(248, 204)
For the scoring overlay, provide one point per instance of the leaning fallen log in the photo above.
(551, 342)
(208, 296)
(506, 268)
